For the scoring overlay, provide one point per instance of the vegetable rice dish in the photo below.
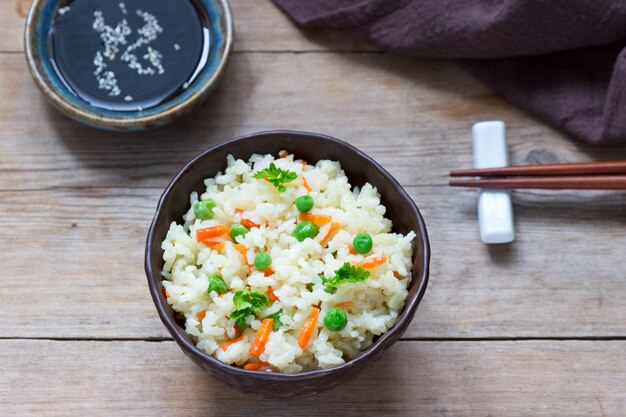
(283, 266)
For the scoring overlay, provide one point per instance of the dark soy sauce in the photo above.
(129, 55)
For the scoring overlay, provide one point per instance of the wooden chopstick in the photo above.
(581, 168)
(576, 182)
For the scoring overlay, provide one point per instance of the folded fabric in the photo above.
(562, 60)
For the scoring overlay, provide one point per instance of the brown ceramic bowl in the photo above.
(311, 147)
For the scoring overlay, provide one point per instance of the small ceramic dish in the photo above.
(311, 147)
(38, 55)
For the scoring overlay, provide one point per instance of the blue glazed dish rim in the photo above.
(36, 39)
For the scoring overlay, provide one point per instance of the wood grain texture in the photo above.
(570, 245)
(576, 378)
(84, 273)
(12, 17)
(21, 8)
(75, 205)
(404, 112)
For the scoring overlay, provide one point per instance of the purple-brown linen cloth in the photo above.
(563, 60)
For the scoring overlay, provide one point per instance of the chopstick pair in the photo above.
(610, 175)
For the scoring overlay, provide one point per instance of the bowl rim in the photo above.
(121, 123)
(383, 341)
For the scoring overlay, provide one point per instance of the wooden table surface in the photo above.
(537, 327)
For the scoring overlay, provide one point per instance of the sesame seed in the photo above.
(115, 38)
(154, 57)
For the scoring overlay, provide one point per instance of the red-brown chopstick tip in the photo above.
(537, 170)
(576, 182)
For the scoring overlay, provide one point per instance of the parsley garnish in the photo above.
(276, 176)
(247, 303)
(347, 273)
(276, 316)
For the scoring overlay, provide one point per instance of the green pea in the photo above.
(362, 243)
(217, 284)
(203, 210)
(304, 203)
(238, 229)
(305, 230)
(336, 319)
(262, 260)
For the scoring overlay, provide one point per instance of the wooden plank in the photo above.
(259, 26)
(261, 92)
(12, 19)
(75, 205)
(82, 271)
(76, 175)
(403, 112)
(48, 378)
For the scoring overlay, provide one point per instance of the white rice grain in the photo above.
(296, 265)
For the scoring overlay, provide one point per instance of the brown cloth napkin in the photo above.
(562, 60)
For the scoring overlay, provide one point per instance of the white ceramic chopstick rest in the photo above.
(495, 210)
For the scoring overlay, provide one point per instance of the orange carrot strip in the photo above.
(249, 223)
(214, 245)
(306, 184)
(201, 315)
(317, 219)
(308, 329)
(211, 232)
(397, 274)
(263, 334)
(345, 304)
(370, 262)
(246, 222)
(224, 346)
(334, 228)
(268, 272)
(283, 153)
(270, 294)
(351, 250)
(304, 164)
(166, 293)
(242, 250)
(256, 366)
